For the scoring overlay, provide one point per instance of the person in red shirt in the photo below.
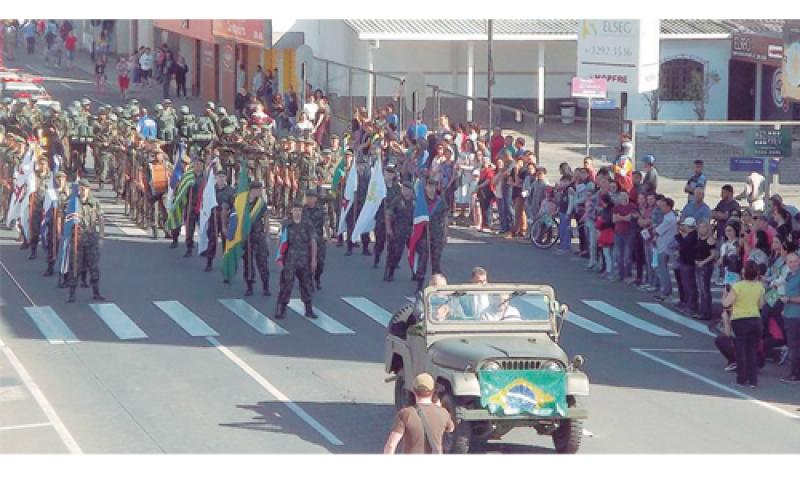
(497, 143)
(70, 42)
(485, 190)
(587, 165)
(623, 235)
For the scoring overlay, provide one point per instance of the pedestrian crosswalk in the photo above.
(347, 320)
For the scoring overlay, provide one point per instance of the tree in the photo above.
(698, 89)
(653, 100)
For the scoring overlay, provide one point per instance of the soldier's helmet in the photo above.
(210, 105)
(112, 117)
(76, 105)
(85, 102)
(7, 100)
(221, 110)
(159, 107)
(102, 110)
(118, 110)
(185, 109)
(55, 108)
(72, 111)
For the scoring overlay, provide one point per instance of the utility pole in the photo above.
(490, 73)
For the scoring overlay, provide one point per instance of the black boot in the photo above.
(376, 262)
(71, 298)
(318, 281)
(388, 275)
(249, 291)
(155, 233)
(265, 284)
(208, 265)
(188, 253)
(61, 283)
(280, 310)
(83, 281)
(33, 252)
(339, 241)
(365, 251)
(420, 283)
(24, 245)
(96, 293)
(174, 243)
(49, 271)
(310, 311)
(349, 251)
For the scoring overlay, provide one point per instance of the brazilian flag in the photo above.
(179, 205)
(239, 225)
(520, 392)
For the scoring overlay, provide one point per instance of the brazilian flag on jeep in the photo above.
(519, 392)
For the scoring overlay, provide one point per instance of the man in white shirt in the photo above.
(310, 108)
(754, 191)
(665, 233)
(473, 305)
(146, 66)
(501, 310)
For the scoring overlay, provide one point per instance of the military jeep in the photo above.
(494, 353)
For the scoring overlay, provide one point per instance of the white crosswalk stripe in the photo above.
(186, 319)
(119, 323)
(50, 324)
(252, 317)
(574, 319)
(370, 309)
(665, 312)
(324, 321)
(629, 319)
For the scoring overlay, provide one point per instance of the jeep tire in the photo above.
(567, 437)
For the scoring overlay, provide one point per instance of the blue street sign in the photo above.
(599, 103)
(749, 164)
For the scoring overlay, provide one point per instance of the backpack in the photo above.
(187, 126)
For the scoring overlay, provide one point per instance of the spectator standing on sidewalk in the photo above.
(746, 298)
(146, 66)
(697, 180)
(566, 208)
(485, 192)
(167, 74)
(623, 218)
(100, 71)
(722, 212)
(754, 191)
(697, 208)
(664, 234)
(29, 32)
(123, 76)
(705, 254)
(180, 70)
(791, 317)
(70, 44)
(650, 181)
(687, 248)
(604, 224)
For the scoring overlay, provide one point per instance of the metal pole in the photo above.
(767, 176)
(401, 107)
(490, 74)
(589, 127)
(350, 91)
(327, 78)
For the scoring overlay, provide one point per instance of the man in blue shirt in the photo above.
(391, 117)
(698, 180)
(791, 316)
(418, 130)
(146, 127)
(697, 208)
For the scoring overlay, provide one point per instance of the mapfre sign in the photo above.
(623, 52)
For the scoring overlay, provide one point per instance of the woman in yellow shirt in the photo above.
(746, 298)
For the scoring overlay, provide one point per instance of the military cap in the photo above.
(311, 192)
(221, 110)
(72, 111)
(256, 184)
(334, 136)
(76, 104)
(60, 174)
(185, 109)
(297, 204)
(85, 101)
(167, 101)
(326, 151)
(349, 151)
(84, 182)
(291, 138)
(408, 184)
(210, 105)
(390, 168)
(159, 107)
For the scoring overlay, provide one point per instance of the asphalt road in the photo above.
(142, 382)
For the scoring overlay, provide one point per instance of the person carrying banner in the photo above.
(316, 214)
(256, 249)
(56, 224)
(297, 256)
(218, 222)
(36, 203)
(183, 207)
(428, 238)
(399, 222)
(84, 241)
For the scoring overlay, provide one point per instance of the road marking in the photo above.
(324, 321)
(463, 241)
(681, 350)
(411, 299)
(574, 319)
(715, 384)
(665, 312)
(24, 426)
(370, 309)
(624, 317)
(252, 317)
(587, 433)
(313, 423)
(50, 324)
(119, 323)
(63, 84)
(191, 323)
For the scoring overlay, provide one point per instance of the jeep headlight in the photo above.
(552, 366)
(491, 365)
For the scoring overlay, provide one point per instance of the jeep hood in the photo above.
(457, 353)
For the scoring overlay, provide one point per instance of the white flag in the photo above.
(350, 186)
(22, 178)
(376, 192)
(207, 205)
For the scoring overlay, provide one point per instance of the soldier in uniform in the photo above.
(307, 162)
(218, 223)
(256, 249)
(83, 136)
(42, 171)
(282, 186)
(399, 222)
(192, 209)
(155, 210)
(433, 238)
(364, 175)
(316, 214)
(88, 236)
(298, 261)
(348, 164)
(103, 134)
(392, 190)
(57, 225)
(325, 171)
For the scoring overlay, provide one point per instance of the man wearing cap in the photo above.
(650, 180)
(687, 246)
(399, 222)
(316, 214)
(325, 173)
(392, 191)
(85, 256)
(697, 180)
(308, 159)
(194, 201)
(217, 224)
(256, 249)
(103, 132)
(298, 260)
(411, 423)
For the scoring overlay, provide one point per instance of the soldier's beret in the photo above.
(84, 182)
(390, 168)
(312, 193)
(256, 184)
(326, 151)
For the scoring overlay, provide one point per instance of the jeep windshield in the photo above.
(489, 307)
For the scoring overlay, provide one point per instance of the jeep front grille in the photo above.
(526, 364)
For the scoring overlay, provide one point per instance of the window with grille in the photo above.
(675, 78)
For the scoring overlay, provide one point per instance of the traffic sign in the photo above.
(769, 142)
(752, 164)
(416, 93)
(589, 87)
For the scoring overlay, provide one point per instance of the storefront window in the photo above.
(676, 76)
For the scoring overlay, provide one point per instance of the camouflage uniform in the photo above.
(401, 217)
(361, 196)
(55, 230)
(256, 249)
(87, 256)
(103, 132)
(218, 223)
(296, 263)
(436, 231)
(317, 217)
(392, 190)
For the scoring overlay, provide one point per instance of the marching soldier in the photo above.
(325, 172)
(256, 249)
(87, 239)
(156, 212)
(348, 164)
(218, 223)
(103, 133)
(315, 214)
(42, 171)
(433, 238)
(57, 225)
(399, 222)
(298, 261)
(392, 190)
(364, 175)
(307, 162)
(192, 209)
